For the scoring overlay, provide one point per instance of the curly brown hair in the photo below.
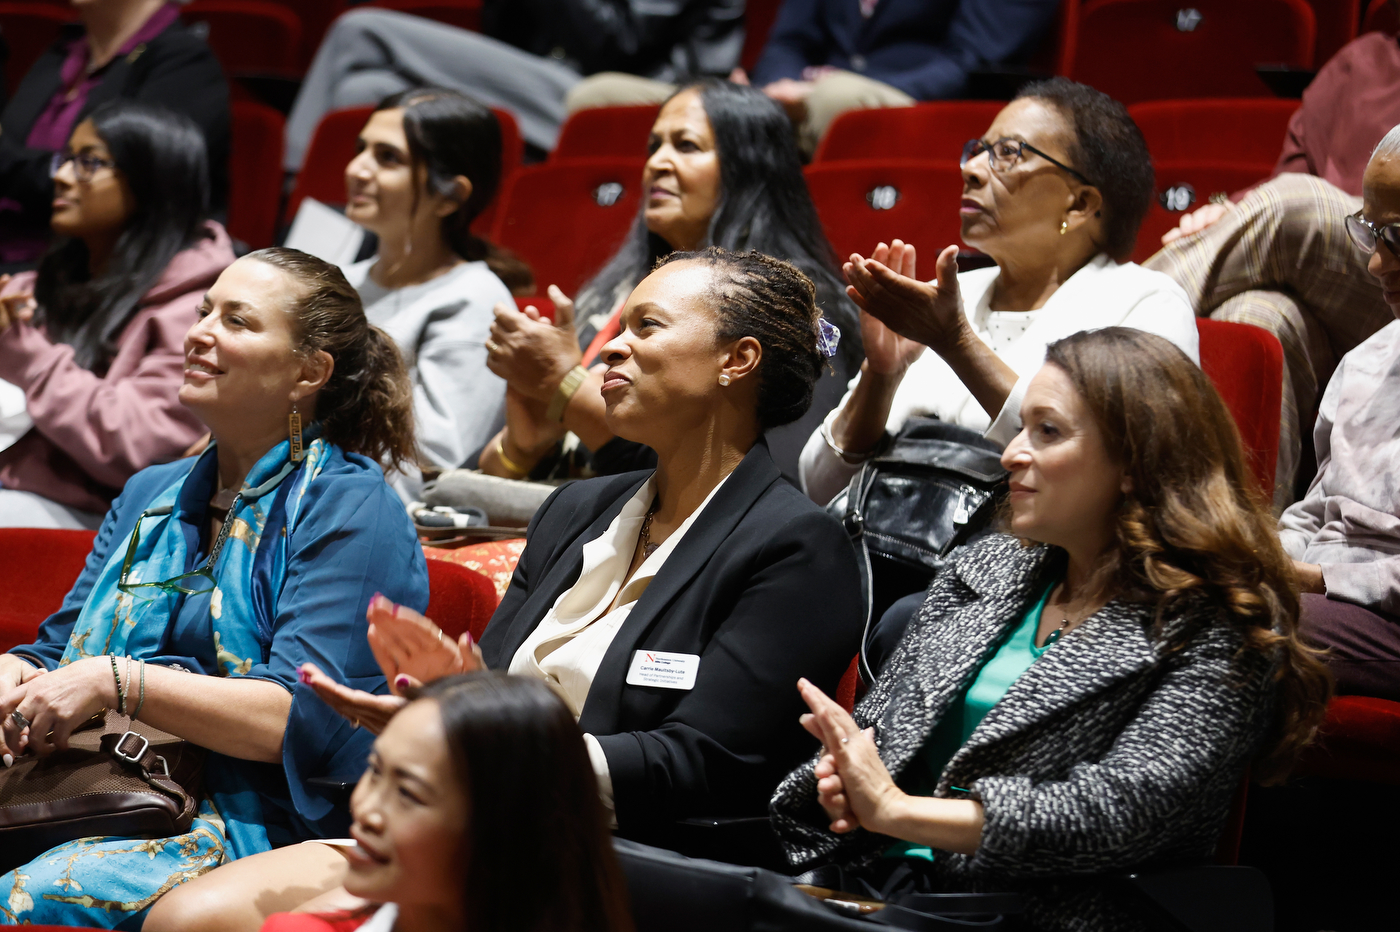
(1194, 524)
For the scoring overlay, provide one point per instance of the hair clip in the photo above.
(828, 337)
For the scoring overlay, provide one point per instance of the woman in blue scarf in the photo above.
(213, 579)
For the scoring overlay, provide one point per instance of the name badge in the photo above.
(664, 669)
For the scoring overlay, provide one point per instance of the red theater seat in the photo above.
(864, 202)
(464, 14)
(1246, 130)
(758, 22)
(1360, 740)
(459, 599)
(1337, 22)
(1183, 187)
(250, 36)
(605, 132)
(567, 219)
(37, 568)
(255, 173)
(29, 29)
(1381, 17)
(316, 18)
(1136, 50)
(1246, 366)
(933, 132)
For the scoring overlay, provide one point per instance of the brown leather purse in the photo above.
(117, 777)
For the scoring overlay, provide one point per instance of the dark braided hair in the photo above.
(366, 407)
(773, 302)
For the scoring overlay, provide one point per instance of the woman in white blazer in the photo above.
(1053, 194)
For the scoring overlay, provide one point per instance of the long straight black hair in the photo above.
(451, 134)
(538, 854)
(161, 156)
(764, 206)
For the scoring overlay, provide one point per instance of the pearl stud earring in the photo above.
(724, 378)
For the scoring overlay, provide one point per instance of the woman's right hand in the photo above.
(15, 307)
(530, 431)
(411, 650)
(930, 313)
(1197, 220)
(886, 352)
(364, 710)
(531, 353)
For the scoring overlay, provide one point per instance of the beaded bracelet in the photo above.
(141, 695)
(116, 674)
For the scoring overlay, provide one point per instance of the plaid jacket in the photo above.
(1110, 753)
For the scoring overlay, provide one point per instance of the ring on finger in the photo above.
(18, 718)
(492, 347)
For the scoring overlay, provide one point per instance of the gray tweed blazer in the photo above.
(1110, 753)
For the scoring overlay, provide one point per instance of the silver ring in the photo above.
(18, 718)
(492, 347)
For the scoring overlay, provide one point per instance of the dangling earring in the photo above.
(1064, 227)
(294, 430)
(724, 378)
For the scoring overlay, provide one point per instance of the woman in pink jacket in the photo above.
(91, 346)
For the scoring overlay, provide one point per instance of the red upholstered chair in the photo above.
(1380, 17)
(566, 219)
(37, 568)
(867, 201)
(758, 22)
(29, 29)
(1337, 22)
(1183, 186)
(250, 36)
(933, 132)
(1136, 50)
(1246, 366)
(255, 173)
(1359, 741)
(539, 302)
(1244, 130)
(316, 18)
(459, 599)
(464, 14)
(605, 132)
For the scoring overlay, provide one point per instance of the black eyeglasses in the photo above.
(1004, 154)
(84, 165)
(1366, 234)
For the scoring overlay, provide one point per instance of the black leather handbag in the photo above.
(927, 490)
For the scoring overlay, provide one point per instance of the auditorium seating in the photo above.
(459, 599)
(567, 219)
(1246, 366)
(29, 29)
(1244, 130)
(866, 201)
(464, 14)
(1137, 50)
(934, 132)
(1183, 187)
(1337, 23)
(255, 173)
(249, 36)
(1381, 17)
(758, 22)
(605, 132)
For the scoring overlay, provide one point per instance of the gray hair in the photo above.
(1389, 146)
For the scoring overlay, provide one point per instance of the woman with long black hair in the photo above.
(722, 170)
(94, 338)
(429, 162)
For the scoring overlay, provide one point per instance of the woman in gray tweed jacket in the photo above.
(1083, 698)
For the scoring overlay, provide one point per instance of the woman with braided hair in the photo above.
(672, 608)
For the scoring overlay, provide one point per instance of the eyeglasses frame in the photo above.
(975, 147)
(1387, 233)
(85, 167)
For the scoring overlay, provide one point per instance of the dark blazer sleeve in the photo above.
(792, 611)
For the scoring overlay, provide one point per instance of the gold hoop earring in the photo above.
(1064, 227)
(724, 378)
(294, 433)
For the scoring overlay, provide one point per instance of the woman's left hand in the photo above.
(853, 785)
(411, 650)
(15, 307)
(364, 710)
(56, 703)
(929, 312)
(532, 353)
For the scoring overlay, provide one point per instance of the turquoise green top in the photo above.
(1013, 657)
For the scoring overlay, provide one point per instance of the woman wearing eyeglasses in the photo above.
(90, 345)
(214, 578)
(1053, 193)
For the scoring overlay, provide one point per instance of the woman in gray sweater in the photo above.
(429, 162)
(1083, 698)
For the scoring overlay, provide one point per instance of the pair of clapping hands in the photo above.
(15, 307)
(411, 651)
(853, 785)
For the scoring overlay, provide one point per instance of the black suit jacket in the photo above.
(176, 69)
(764, 588)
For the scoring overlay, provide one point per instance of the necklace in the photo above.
(648, 548)
(1059, 632)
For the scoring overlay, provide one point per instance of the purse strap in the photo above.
(135, 751)
(853, 520)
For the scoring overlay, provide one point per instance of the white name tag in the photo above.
(664, 669)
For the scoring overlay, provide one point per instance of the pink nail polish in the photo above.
(305, 675)
(402, 682)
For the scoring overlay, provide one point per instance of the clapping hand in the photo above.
(929, 313)
(411, 650)
(15, 307)
(365, 710)
(853, 785)
(529, 351)
(886, 352)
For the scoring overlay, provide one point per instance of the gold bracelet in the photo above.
(510, 465)
(562, 395)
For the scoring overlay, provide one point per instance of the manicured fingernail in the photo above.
(305, 675)
(470, 641)
(9, 760)
(402, 681)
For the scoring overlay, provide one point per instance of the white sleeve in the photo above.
(599, 760)
(1007, 424)
(820, 471)
(1168, 314)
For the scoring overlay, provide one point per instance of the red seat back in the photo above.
(316, 18)
(37, 568)
(459, 599)
(759, 16)
(29, 30)
(1185, 186)
(464, 14)
(868, 201)
(1136, 50)
(606, 132)
(932, 132)
(1337, 23)
(255, 173)
(567, 219)
(1381, 16)
(1246, 366)
(1360, 740)
(250, 36)
(1245, 130)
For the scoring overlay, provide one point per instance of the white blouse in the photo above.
(1103, 293)
(568, 645)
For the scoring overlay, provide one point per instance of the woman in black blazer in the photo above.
(674, 610)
